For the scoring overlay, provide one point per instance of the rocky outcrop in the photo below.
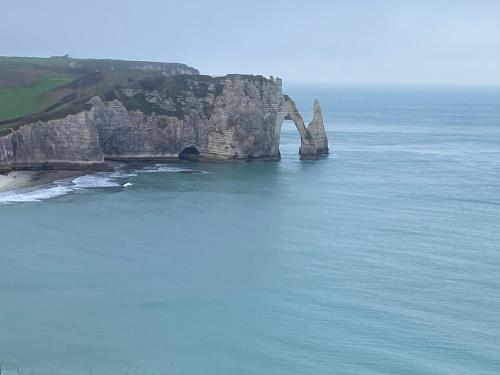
(226, 118)
(69, 143)
(313, 140)
(317, 130)
(232, 118)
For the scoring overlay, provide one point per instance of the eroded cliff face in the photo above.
(69, 143)
(228, 118)
(235, 118)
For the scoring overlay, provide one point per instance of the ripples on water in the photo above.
(381, 259)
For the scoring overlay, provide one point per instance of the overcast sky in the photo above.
(355, 41)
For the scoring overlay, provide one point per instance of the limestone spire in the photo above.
(317, 129)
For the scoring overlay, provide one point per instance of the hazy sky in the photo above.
(351, 41)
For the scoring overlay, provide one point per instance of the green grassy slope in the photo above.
(30, 85)
(35, 89)
(25, 80)
(20, 101)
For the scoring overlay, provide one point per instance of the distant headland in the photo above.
(66, 113)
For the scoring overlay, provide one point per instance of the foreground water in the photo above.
(383, 258)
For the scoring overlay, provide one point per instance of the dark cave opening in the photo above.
(189, 153)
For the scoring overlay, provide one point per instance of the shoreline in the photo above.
(27, 179)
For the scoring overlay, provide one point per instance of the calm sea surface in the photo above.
(383, 258)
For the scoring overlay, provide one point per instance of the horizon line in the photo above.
(287, 81)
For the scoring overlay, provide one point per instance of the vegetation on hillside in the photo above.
(27, 83)
(38, 89)
(19, 101)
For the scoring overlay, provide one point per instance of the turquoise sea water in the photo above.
(383, 258)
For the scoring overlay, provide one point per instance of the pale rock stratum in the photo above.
(231, 118)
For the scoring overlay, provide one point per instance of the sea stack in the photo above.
(317, 130)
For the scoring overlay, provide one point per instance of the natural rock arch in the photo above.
(313, 139)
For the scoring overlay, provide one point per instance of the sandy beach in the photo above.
(16, 180)
(26, 179)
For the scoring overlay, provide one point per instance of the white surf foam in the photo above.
(99, 180)
(61, 188)
(93, 181)
(123, 174)
(165, 168)
(162, 168)
(34, 194)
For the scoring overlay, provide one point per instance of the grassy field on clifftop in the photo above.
(44, 89)
(33, 88)
(24, 81)
(19, 101)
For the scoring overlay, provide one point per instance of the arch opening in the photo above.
(313, 140)
(290, 140)
(307, 149)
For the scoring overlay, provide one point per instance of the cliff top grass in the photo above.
(19, 101)
(25, 81)
(42, 89)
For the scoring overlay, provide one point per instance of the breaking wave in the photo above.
(164, 168)
(33, 194)
(92, 181)
(62, 187)
(86, 182)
